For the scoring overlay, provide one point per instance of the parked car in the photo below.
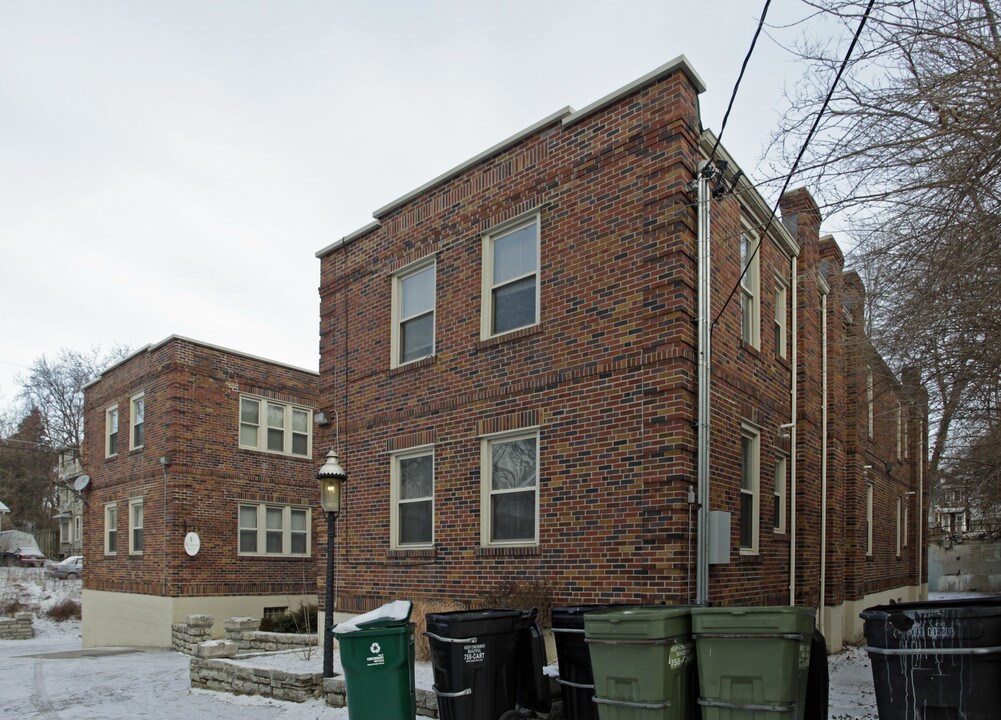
(20, 548)
(70, 567)
(30, 557)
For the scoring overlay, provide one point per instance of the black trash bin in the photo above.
(474, 656)
(576, 676)
(937, 660)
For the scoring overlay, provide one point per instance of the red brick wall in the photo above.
(192, 394)
(608, 375)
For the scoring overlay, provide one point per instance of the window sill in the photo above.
(508, 551)
(413, 365)
(509, 336)
(271, 556)
(274, 453)
(749, 557)
(425, 553)
(136, 450)
(783, 361)
(750, 349)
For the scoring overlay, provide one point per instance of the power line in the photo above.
(799, 157)
(743, 67)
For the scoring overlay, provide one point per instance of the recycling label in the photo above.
(681, 654)
(474, 653)
(376, 657)
(804, 656)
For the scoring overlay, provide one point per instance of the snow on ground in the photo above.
(52, 678)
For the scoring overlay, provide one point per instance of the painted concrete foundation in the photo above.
(124, 619)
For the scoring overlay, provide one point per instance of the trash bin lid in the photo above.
(640, 622)
(474, 623)
(392, 614)
(755, 619)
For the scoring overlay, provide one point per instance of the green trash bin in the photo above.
(643, 663)
(753, 662)
(378, 665)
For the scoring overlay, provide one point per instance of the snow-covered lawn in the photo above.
(50, 677)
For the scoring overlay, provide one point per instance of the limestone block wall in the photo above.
(17, 628)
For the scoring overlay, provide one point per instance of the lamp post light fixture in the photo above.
(331, 477)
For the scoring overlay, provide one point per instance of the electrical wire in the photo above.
(736, 86)
(802, 151)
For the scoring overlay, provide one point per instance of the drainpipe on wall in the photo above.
(792, 440)
(823, 459)
(704, 322)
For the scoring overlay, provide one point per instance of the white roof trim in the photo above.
(210, 346)
(458, 169)
(678, 63)
(566, 116)
(374, 225)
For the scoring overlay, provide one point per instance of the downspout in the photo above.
(792, 441)
(704, 322)
(823, 460)
(921, 499)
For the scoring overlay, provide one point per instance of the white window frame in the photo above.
(487, 492)
(781, 332)
(750, 288)
(781, 491)
(110, 526)
(487, 290)
(752, 434)
(262, 427)
(136, 505)
(111, 429)
(868, 519)
(133, 404)
(399, 278)
(66, 531)
(261, 529)
(869, 399)
(900, 429)
(395, 499)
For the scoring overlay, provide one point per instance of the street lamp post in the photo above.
(331, 477)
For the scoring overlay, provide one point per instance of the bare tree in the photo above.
(55, 387)
(910, 153)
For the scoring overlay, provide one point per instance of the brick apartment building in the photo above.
(186, 441)
(512, 352)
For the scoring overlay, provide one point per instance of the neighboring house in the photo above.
(202, 491)
(512, 353)
(69, 502)
(4, 510)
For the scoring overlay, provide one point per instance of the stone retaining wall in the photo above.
(196, 629)
(226, 676)
(17, 628)
(244, 632)
(187, 636)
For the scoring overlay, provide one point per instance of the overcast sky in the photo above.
(172, 167)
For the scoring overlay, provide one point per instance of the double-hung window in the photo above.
(136, 526)
(413, 314)
(137, 415)
(510, 470)
(749, 298)
(111, 431)
(111, 529)
(510, 278)
(412, 492)
(275, 427)
(272, 529)
(781, 472)
(750, 440)
(869, 398)
(781, 294)
(868, 520)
